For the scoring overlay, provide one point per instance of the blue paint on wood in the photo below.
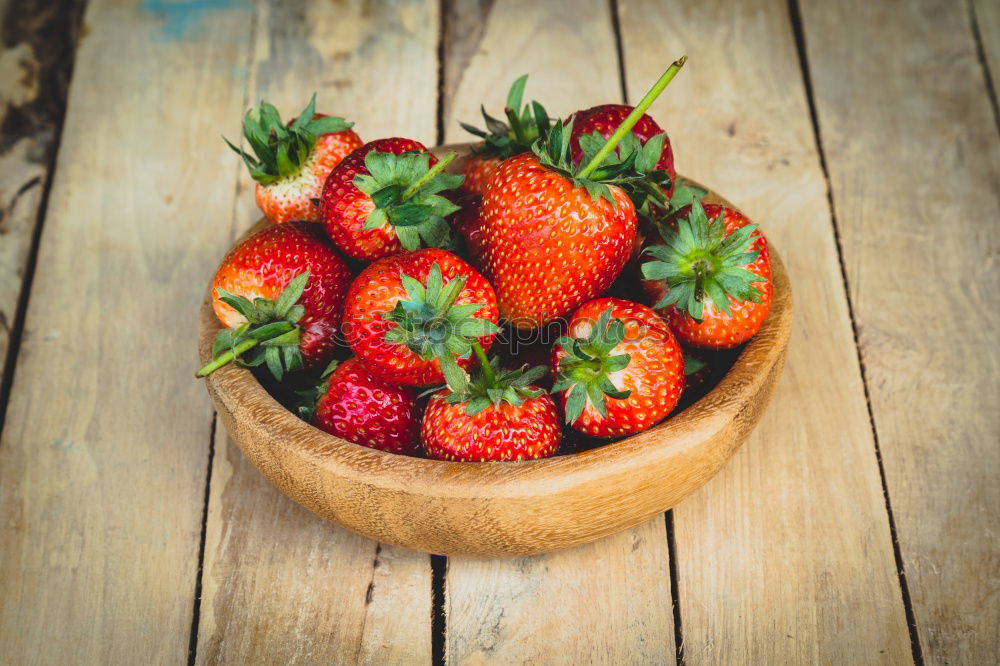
(183, 18)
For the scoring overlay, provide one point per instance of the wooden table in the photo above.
(859, 524)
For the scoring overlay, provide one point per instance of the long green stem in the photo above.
(226, 357)
(451, 293)
(633, 118)
(433, 171)
(484, 364)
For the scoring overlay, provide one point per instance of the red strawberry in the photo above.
(498, 416)
(502, 141)
(279, 293)
(291, 163)
(606, 118)
(549, 245)
(405, 312)
(477, 169)
(467, 222)
(711, 280)
(619, 371)
(383, 199)
(357, 407)
(558, 234)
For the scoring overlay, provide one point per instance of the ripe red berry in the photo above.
(619, 370)
(360, 408)
(284, 284)
(383, 199)
(710, 276)
(497, 415)
(606, 118)
(550, 246)
(405, 312)
(291, 162)
(502, 433)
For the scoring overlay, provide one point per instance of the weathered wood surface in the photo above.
(785, 556)
(281, 585)
(914, 159)
(36, 56)
(104, 450)
(605, 600)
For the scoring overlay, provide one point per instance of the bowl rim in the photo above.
(513, 480)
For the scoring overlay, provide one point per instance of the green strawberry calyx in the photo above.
(432, 326)
(584, 371)
(620, 160)
(692, 364)
(700, 264)
(490, 384)
(280, 151)
(651, 215)
(685, 194)
(270, 335)
(404, 189)
(526, 125)
(632, 167)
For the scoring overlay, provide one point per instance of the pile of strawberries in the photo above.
(406, 277)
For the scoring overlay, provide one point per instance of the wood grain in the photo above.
(512, 41)
(605, 600)
(104, 451)
(786, 555)
(280, 584)
(39, 40)
(915, 186)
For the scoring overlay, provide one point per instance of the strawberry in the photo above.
(550, 246)
(557, 235)
(383, 199)
(711, 280)
(497, 416)
(356, 406)
(291, 163)
(467, 223)
(619, 371)
(280, 294)
(409, 317)
(502, 141)
(477, 169)
(603, 120)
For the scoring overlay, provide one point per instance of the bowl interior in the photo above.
(707, 416)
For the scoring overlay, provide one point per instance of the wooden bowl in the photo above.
(504, 509)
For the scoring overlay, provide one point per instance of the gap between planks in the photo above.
(796, 19)
(196, 606)
(984, 64)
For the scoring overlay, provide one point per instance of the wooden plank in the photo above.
(39, 40)
(922, 270)
(986, 15)
(786, 556)
(281, 585)
(604, 602)
(104, 451)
